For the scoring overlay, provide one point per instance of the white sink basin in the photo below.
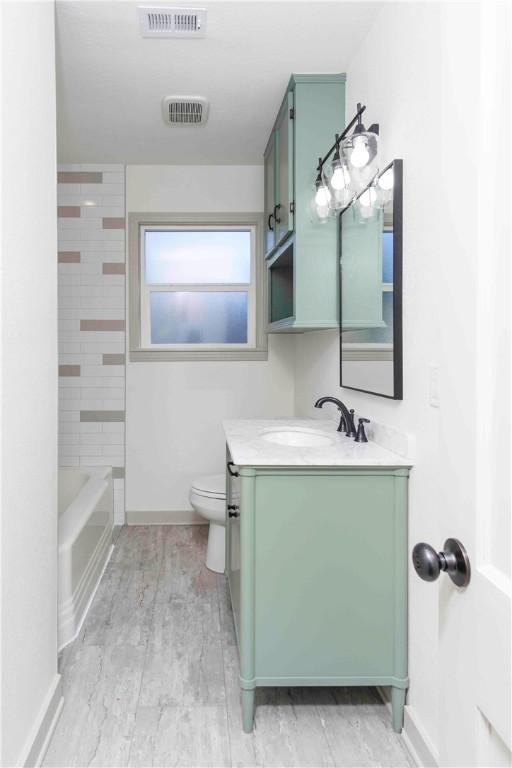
(298, 437)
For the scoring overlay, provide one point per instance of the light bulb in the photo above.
(322, 196)
(340, 178)
(386, 180)
(360, 155)
(368, 198)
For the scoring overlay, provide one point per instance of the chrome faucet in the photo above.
(347, 417)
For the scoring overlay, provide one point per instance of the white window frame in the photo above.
(141, 348)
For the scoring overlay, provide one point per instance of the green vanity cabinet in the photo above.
(301, 253)
(316, 562)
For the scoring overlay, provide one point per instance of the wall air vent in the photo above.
(172, 22)
(184, 110)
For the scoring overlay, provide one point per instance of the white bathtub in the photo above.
(85, 542)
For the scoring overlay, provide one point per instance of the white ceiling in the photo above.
(110, 80)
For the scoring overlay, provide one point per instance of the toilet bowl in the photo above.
(208, 498)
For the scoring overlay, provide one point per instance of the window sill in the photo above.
(168, 355)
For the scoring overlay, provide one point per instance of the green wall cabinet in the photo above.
(316, 561)
(301, 253)
(278, 162)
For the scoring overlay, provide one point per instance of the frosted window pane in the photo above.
(198, 257)
(197, 317)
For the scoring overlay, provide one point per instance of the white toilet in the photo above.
(208, 498)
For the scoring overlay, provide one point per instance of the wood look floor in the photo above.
(152, 679)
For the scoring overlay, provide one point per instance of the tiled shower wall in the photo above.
(91, 218)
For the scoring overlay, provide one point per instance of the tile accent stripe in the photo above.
(91, 210)
(102, 325)
(104, 416)
(69, 257)
(69, 370)
(113, 359)
(113, 268)
(68, 211)
(80, 177)
(113, 223)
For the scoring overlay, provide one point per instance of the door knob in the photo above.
(454, 560)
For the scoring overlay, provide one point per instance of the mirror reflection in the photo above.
(371, 289)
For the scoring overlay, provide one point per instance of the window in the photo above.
(197, 287)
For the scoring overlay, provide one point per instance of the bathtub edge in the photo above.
(72, 612)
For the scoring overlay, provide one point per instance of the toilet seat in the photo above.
(210, 486)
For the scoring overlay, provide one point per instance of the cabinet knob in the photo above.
(269, 225)
(277, 208)
(233, 510)
(454, 560)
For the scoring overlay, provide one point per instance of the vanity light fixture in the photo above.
(353, 166)
(384, 186)
(323, 193)
(368, 202)
(376, 195)
(340, 178)
(322, 199)
(360, 152)
(339, 181)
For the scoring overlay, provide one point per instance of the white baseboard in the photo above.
(416, 740)
(37, 743)
(164, 517)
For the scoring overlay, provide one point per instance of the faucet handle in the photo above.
(361, 434)
(351, 429)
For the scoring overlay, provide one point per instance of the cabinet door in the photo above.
(233, 546)
(330, 576)
(284, 197)
(270, 193)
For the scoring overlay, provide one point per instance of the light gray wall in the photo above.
(174, 410)
(29, 375)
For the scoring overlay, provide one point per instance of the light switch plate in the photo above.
(435, 386)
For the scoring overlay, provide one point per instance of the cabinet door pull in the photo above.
(233, 510)
(232, 472)
(276, 209)
(268, 222)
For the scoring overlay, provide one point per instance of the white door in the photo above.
(475, 681)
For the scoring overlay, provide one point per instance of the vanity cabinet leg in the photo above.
(397, 707)
(247, 709)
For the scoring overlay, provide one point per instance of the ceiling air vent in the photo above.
(184, 110)
(172, 22)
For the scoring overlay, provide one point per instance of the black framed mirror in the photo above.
(370, 243)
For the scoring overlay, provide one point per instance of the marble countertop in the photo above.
(248, 448)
